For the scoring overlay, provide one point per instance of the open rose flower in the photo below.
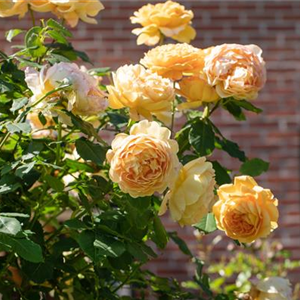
(143, 92)
(174, 60)
(74, 10)
(84, 96)
(10, 8)
(245, 211)
(272, 288)
(236, 70)
(192, 195)
(196, 91)
(145, 161)
(168, 19)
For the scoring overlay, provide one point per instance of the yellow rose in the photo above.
(143, 92)
(84, 96)
(192, 195)
(196, 91)
(272, 288)
(174, 60)
(10, 8)
(245, 211)
(236, 70)
(145, 161)
(41, 5)
(168, 19)
(73, 10)
(38, 129)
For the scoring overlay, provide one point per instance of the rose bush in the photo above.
(87, 167)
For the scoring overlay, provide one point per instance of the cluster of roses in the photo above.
(145, 161)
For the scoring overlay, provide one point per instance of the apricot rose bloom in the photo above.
(246, 211)
(143, 92)
(145, 161)
(84, 96)
(236, 70)
(174, 60)
(272, 288)
(73, 10)
(196, 91)
(168, 19)
(192, 195)
(70, 10)
(10, 8)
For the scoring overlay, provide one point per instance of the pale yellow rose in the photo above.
(272, 288)
(10, 8)
(41, 5)
(143, 92)
(192, 195)
(145, 161)
(196, 91)
(236, 70)
(84, 96)
(174, 60)
(168, 19)
(246, 211)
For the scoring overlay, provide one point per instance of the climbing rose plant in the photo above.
(88, 168)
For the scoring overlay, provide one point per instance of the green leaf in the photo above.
(33, 42)
(42, 118)
(24, 169)
(57, 36)
(9, 226)
(55, 183)
(136, 251)
(75, 224)
(182, 138)
(232, 107)
(25, 248)
(19, 127)
(60, 28)
(180, 243)
(78, 166)
(207, 224)
(222, 176)
(100, 71)
(86, 242)
(109, 246)
(90, 151)
(18, 104)
(159, 235)
(254, 167)
(14, 215)
(38, 273)
(12, 33)
(249, 106)
(118, 120)
(231, 148)
(202, 138)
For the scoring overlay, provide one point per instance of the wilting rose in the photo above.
(84, 96)
(145, 161)
(192, 195)
(73, 10)
(174, 60)
(236, 70)
(143, 92)
(245, 211)
(10, 8)
(196, 91)
(168, 19)
(272, 288)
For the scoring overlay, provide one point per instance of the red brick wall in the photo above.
(273, 135)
